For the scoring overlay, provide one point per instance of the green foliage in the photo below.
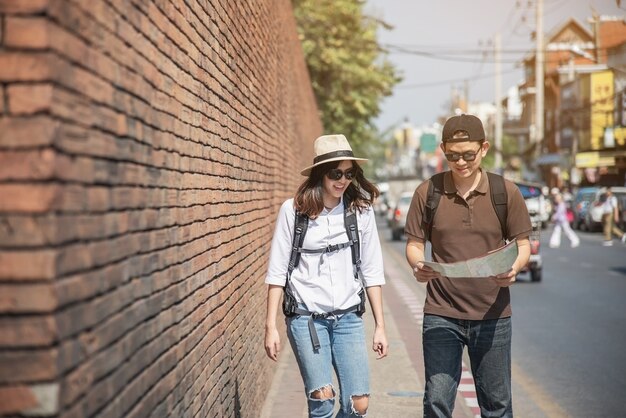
(349, 70)
(509, 149)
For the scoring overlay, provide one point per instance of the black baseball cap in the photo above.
(466, 128)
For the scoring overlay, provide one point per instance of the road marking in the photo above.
(539, 397)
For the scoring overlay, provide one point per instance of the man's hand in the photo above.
(505, 279)
(424, 274)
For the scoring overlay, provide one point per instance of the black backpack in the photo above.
(290, 305)
(435, 191)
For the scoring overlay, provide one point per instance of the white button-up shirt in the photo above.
(325, 282)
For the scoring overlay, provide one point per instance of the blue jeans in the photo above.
(342, 347)
(489, 347)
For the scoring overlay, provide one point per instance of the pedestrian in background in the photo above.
(561, 222)
(610, 218)
(466, 312)
(326, 329)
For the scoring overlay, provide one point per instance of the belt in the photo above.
(312, 315)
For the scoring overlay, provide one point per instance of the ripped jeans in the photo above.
(342, 348)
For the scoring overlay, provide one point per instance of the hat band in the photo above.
(334, 154)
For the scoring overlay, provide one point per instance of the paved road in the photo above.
(569, 334)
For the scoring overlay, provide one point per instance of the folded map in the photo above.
(491, 264)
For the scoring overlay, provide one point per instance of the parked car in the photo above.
(593, 217)
(580, 204)
(539, 208)
(539, 213)
(398, 219)
(381, 204)
(391, 206)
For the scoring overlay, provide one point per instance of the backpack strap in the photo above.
(499, 200)
(435, 191)
(352, 229)
(299, 231)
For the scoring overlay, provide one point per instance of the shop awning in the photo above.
(550, 159)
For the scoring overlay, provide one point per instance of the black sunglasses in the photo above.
(337, 174)
(467, 156)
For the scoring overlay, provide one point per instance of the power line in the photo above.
(450, 54)
(444, 82)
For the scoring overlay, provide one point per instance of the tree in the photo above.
(349, 70)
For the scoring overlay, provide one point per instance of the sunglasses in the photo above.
(337, 174)
(467, 156)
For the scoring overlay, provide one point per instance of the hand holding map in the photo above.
(491, 264)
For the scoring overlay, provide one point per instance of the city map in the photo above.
(491, 264)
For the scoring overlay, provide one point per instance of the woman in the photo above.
(562, 223)
(327, 330)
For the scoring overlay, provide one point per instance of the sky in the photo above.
(448, 29)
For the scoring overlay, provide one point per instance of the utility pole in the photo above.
(539, 95)
(498, 130)
(466, 93)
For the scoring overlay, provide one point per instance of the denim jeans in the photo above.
(342, 348)
(489, 347)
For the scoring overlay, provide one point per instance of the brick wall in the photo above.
(145, 147)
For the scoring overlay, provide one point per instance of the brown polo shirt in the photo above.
(464, 229)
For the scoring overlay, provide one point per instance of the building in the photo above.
(578, 99)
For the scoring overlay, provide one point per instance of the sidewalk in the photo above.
(396, 381)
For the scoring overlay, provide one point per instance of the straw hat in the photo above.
(331, 148)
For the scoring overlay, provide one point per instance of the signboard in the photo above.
(593, 160)
(602, 106)
(428, 143)
(622, 108)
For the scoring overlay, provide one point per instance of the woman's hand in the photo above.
(380, 344)
(272, 343)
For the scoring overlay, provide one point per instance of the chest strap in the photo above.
(328, 249)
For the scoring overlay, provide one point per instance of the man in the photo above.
(610, 218)
(472, 312)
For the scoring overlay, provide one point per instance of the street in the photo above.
(568, 341)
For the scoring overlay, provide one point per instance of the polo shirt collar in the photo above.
(483, 183)
(450, 188)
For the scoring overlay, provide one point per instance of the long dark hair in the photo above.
(309, 197)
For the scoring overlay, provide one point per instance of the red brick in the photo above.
(27, 265)
(2, 97)
(23, 6)
(26, 32)
(27, 331)
(16, 398)
(27, 298)
(27, 99)
(23, 66)
(27, 132)
(19, 231)
(28, 365)
(28, 198)
(27, 165)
